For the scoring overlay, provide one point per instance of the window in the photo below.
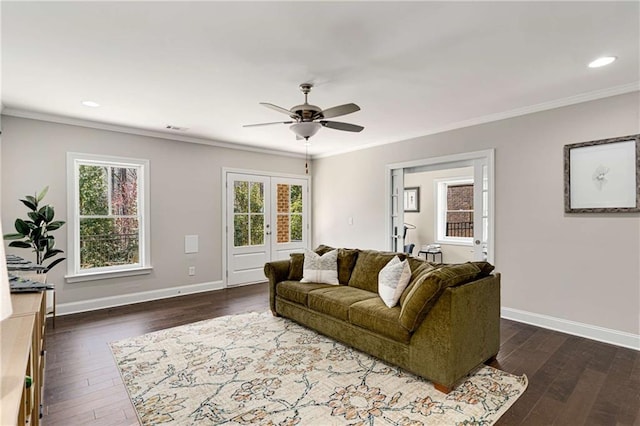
(454, 211)
(108, 217)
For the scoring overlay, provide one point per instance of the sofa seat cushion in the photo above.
(335, 301)
(295, 291)
(375, 316)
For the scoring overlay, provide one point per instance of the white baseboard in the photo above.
(601, 334)
(127, 299)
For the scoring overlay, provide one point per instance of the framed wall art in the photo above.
(602, 176)
(412, 199)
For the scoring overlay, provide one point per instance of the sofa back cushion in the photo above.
(418, 268)
(368, 266)
(428, 287)
(346, 262)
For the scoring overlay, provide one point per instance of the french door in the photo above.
(266, 219)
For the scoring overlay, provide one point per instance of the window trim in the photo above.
(74, 159)
(440, 213)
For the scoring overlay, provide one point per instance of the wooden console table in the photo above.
(22, 354)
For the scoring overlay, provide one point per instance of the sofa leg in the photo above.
(493, 362)
(442, 388)
(275, 314)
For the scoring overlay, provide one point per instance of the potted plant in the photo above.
(34, 232)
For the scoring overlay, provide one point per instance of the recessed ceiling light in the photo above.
(602, 61)
(91, 104)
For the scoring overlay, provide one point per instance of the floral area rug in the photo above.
(258, 369)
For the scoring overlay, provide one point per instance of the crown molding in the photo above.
(544, 106)
(13, 112)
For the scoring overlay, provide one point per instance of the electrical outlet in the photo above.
(192, 270)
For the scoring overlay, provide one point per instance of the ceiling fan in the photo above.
(307, 119)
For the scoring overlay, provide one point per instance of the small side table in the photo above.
(433, 253)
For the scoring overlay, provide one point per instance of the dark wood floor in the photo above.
(572, 381)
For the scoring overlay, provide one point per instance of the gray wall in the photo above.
(186, 194)
(582, 268)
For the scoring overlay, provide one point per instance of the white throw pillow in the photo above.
(320, 269)
(392, 280)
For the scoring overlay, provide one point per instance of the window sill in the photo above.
(93, 276)
(455, 243)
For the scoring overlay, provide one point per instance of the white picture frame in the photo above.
(603, 176)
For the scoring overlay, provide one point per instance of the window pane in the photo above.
(93, 190)
(241, 230)
(459, 224)
(124, 191)
(283, 228)
(257, 197)
(109, 242)
(283, 198)
(296, 199)
(296, 227)
(241, 197)
(257, 229)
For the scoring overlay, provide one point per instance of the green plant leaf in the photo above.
(29, 204)
(13, 236)
(54, 263)
(20, 244)
(22, 227)
(35, 217)
(43, 193)
(32, 200)
(55, 225)
(51, 253)
(47, 212)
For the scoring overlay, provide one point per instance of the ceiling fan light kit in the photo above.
(305, 129)
(308, 119)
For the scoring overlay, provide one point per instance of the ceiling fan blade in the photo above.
(339, 110)
(279, 109)
(337, 125)
(268, 124)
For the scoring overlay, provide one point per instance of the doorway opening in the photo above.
(443, 206)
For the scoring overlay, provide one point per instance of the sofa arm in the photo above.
(275, 271)
(460, 332)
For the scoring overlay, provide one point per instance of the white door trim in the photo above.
(223, 202)
(443, 162)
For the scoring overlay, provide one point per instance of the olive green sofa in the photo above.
(447, 322)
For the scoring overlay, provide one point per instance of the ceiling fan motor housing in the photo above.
(306, 112)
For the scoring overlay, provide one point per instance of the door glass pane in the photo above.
(282, 228)
(240, 230)
(485, 203)
(296, 227)
(240, 197)
(296, 199)
(109, 242)
(256, 202)
(93, 190)
(257, 229)
(283, 198)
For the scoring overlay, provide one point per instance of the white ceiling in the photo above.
(414, 68)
